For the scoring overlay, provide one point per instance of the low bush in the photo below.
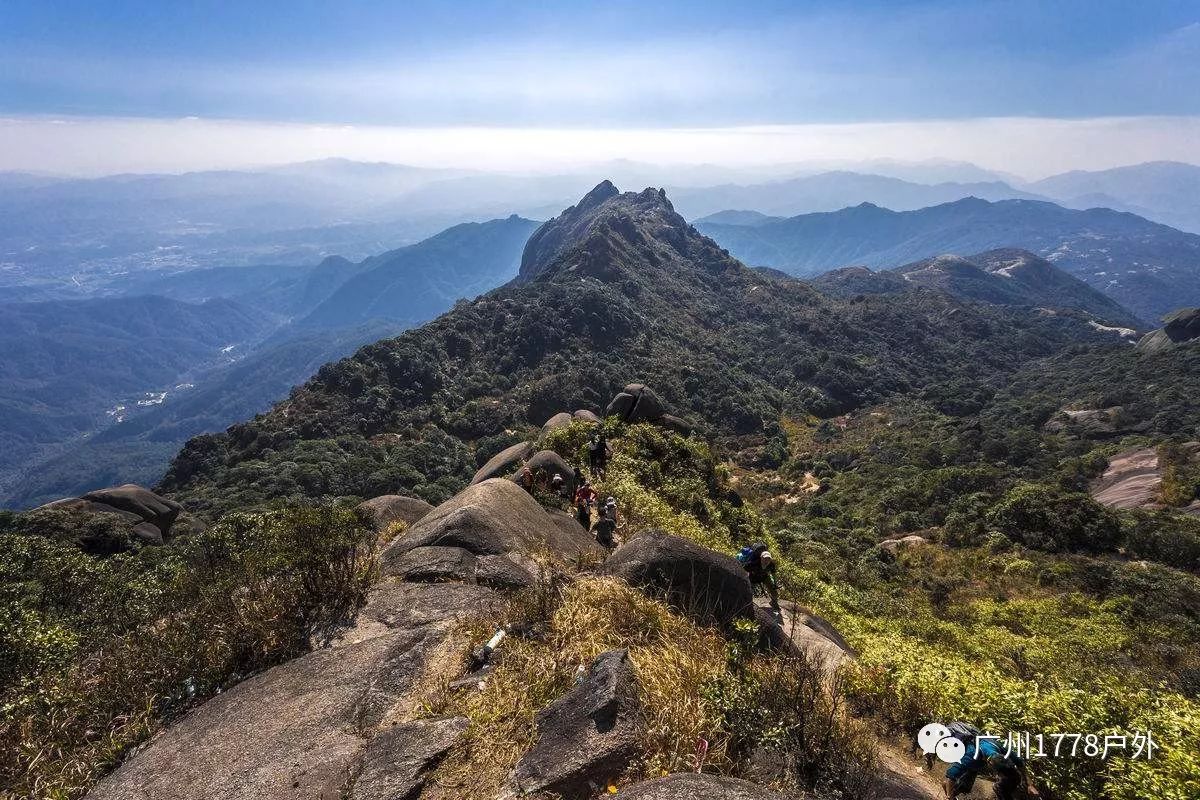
(98, 653)
(1047, 519)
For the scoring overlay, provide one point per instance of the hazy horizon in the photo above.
(1019, 87)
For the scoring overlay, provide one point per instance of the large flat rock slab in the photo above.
(307, 728)
(290, 732)
(1132, 480)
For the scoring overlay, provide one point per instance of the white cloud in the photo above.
(1032, 147)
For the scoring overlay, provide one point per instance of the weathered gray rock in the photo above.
(676, 424)
(586, 416)
(621, 405)
(80, 505)
(1180, 327)
(502, 572)
(1096, 423)
(587, 737)
(150, 518)
(388, 509)
(432, 564)
(895, 545)
(545, 464)
(393, 607)
(299, 730)
(396, 763)
(636, 403)
(560, 420)
(490, 518)
(690, 786)
(815, 636)
(569, 527)
(1131, 480)
(700, 582)
(503, 463)
(141, 501)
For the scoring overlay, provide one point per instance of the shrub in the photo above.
(1055, 521)
(104, 651)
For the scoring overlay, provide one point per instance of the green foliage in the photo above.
(1180, 473)
(1165, 537)
(1046, 519)
(98, 653)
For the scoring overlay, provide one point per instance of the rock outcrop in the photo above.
(439, 564)
(545, 464)
(315, 726)
(389, 509)
(700, 582)
(396, 762)
(1131, 480)
(1134, 478)
(585, 738)
(1181, 327)
(1094, 423)
(495, 517)
(560, 420)
(150, 517)
(893, 546)
(636, 403)
(503, 463)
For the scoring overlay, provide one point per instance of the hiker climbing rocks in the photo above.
(526, 479)
(760, 568)
(985, 753)
(606, 526)
(585, 498)
(559, 487)
(598, 452)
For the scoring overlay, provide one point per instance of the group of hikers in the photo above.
(602, 519)
(585, 500)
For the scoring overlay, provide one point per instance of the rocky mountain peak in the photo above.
(608, 231)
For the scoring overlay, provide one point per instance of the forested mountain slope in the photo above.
(66, 364)
(1150, 269)
(618, 286)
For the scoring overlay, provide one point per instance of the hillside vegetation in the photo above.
(915, 458)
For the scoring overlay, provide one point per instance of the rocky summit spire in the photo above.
(608, 230)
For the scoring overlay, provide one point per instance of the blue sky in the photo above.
(609, 65)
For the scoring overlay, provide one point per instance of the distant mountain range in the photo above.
(67, 238)
(301, 318)
(72, 366)
(830, 191)
(416, 283)
(1164, 191)
(1006, 277)
(1148, 268)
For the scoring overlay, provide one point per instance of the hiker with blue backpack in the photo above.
(984, 753)
(760, 569)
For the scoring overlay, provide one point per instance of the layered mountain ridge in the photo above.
(617, 286)
(1149, 268)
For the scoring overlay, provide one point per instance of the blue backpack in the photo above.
(750, 553)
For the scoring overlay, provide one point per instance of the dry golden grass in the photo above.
(672, 658)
